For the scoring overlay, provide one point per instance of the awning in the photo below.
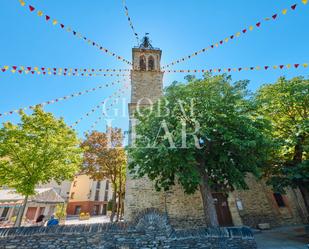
(11, 204)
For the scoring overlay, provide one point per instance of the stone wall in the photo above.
(150, 230)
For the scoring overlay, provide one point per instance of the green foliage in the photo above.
(230, 138)
(110, 205)
(286, 105)
(60, 212)
(39, 149)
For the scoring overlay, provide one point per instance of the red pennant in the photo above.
(65, 74)
(221, 42)
(244, 31)
(274, 16)
(3, 69)
(266, 67)
(231, 36)
(92, 70)
(85, 70)
(258, 24)
(62, 26)
(55, 69)
(32, 72)
(281, 66)
(229, 70)
(29, 68)
(14, 67)
(20, 71)
(296, 65)
(43, 68)
(44, 73)
(219, 70)
(293, 7)
(47, 17)
(31, 8)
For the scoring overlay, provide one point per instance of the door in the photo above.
(222, 208)
(30, 215)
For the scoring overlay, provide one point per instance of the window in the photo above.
(5, 212)
(98, 184)
(279, 200)
(106, 195)
(72, 195)
(151, 65)
(97, 195)
(107, 185)
(142, 63)
(77, 210)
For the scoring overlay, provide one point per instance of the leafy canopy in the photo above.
(223, 136)
(39, 149)
(286, 105)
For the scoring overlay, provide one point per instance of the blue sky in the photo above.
(178, 27)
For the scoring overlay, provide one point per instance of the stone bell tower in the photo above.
(147, 84)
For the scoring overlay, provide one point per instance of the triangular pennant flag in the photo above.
(55, 22)
(6, 67)
(284, 11)
(304, 1)
(266, 67)
(22, 3)
(40, 13)
(293, 7)
(32, 72)
(3, 69)
(238, 34)
(239, 69)
(244, 31)
(36, 69)
(231, 36)
(62, 26)
(226, 39)
(258, 24)
(14, 67)
(281, 66)
(251, 28)
(305, 64)
(275, 67)
(274, 16)
(29, 68)
(221, 42)
(31, 8)
(288, 65)
(20, 71)
(43, 68)
(251, 68)
(296, 65)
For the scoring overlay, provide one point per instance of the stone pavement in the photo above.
(283, 238)
(73, 220)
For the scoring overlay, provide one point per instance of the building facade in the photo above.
(251, 207)
(89, 196)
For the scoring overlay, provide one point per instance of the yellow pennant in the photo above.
(251, 28)
(69, 74)
(69, 29)
(60, 69)
(304, 1)
(305, 64)
(36, 69)
(238, 34)
(22, 3)
(288, 66)
(48, 69)
(284, 11)
(13, 71)
(49, 72)
(55, 22)
(40, 13)
(6, 67)
(275, 67)
(226, 39)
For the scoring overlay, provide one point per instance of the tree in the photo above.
(286, 105)
(37, 150)
(203, 135)
(105, 158)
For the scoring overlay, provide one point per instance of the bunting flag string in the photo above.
(245, 30)
(62, 71)
(49, 102)
(72, 31)
(93, 126)
(96, 107)
(130, 20)
(238, 69)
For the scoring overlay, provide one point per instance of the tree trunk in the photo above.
(114, 203)
(305, 193)
(118, 206)
(20, 214)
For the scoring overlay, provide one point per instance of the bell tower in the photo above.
(146, 75)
